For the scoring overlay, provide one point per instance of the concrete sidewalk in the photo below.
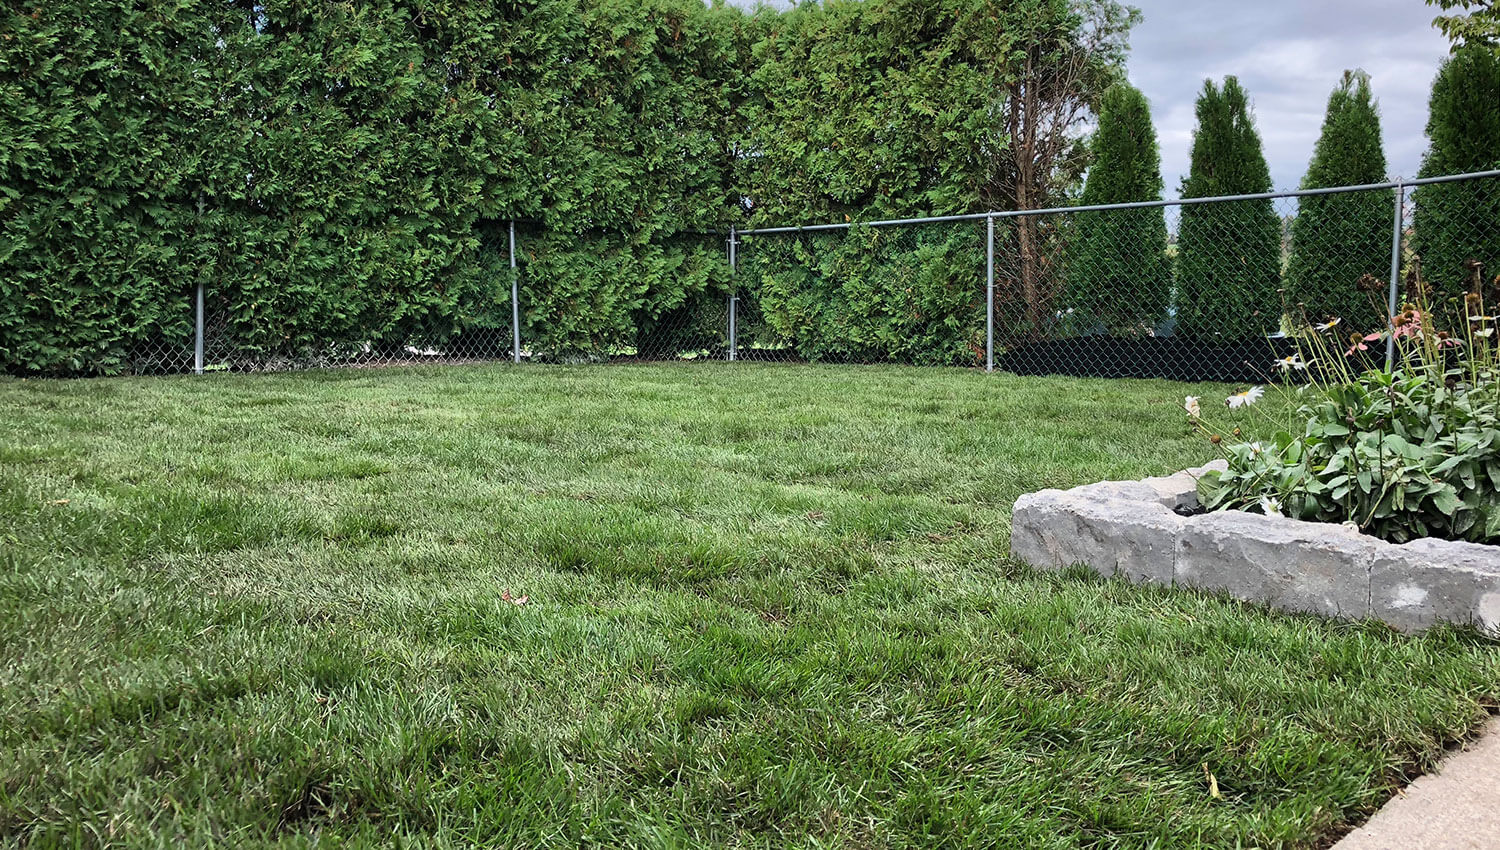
(1457, 808)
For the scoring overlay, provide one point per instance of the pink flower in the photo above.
(1356, 343)
(1408, 324)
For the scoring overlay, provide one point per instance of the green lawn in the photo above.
(768, 606)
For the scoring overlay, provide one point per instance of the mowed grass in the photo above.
(768, 606)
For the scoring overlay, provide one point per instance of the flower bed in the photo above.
(1155, 531)
(1377, 494)
(1403, 454)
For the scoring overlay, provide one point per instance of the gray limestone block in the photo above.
(1423, 582)
(1287, 563)
(1053, 529)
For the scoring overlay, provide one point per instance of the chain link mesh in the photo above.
(912, 294)
(1193, 292)
(162, 353)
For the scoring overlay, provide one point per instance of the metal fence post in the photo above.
(1390, 342)
(198, 310)
(733, 296)
(198, 334)
(989, 294)
(515, 299)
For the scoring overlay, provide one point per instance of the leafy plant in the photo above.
(1402, 454)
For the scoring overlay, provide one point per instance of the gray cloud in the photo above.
(1289, 55)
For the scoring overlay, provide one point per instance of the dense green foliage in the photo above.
(910, 294)
(1469, 22)
(1229, 260)
(862, 111)
(1336, 239)
(336, 175)
(871, 110)
(771, 609)
(346, 159)
(1405, 453)
(1118, 271)
(107, 115)
(1458, 222)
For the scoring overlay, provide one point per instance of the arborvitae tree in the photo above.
(1118, 272)
(1229, 258)
(1457, 222)
(1338, 238)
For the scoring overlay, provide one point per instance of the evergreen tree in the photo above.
(1229, 258)
(1457, 222)
(1338, 238)
(1118, 273)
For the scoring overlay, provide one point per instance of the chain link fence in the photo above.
(1197, 292)
(1201, 289)
(1193, 290)
(910, 294)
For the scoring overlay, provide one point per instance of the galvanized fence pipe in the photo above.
(198, 310)
(1134, 205)
(989, 294)
(733, 295)
(1390, 342)
(198, 333)
(515, 299)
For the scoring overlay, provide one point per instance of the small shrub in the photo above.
(1407, 453)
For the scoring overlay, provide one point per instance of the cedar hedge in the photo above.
(337, 175)
(1455, 223)
(330, 171)
(1229, 260)
(1338, 239)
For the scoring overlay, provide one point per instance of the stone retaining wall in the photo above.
(1138, 529)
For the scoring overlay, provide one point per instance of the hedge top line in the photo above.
(1398, 183)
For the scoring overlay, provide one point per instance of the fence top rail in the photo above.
(1261, 196)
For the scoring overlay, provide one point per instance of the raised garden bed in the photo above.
(1154, 531)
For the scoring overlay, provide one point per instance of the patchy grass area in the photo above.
(768, 606)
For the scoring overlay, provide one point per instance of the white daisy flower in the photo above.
(1190, 404)
(1329, 325)
(1270, 505)
(1295, 361)
(1245, 399)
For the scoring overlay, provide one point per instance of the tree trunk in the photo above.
(1026, 156)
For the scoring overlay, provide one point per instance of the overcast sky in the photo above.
(1289, 54)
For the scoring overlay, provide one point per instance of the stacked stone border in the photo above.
(1146, 531)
